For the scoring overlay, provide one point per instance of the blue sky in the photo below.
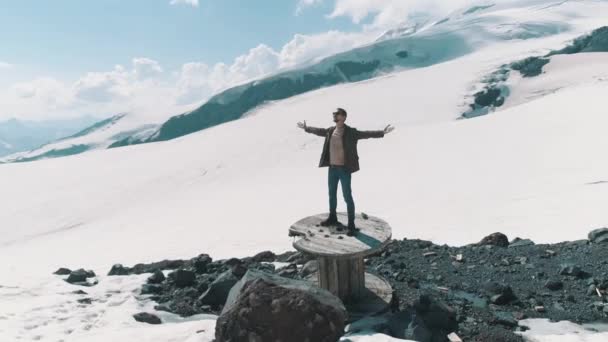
(73, 36)
(66, 58)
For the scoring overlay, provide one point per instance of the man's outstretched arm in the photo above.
(314, 130)
(374, 134)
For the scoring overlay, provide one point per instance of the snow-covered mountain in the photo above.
(96, 136)
(22, 135)
(419, 43)
(532, 169)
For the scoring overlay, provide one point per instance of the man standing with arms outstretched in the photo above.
(340, 154)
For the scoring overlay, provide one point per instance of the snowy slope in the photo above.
(533, 169)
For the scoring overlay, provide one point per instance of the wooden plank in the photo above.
(374, 235)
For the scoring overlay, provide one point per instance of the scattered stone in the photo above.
(554, 285)
(63, 271)
(598, 235)
(156, 278)
(218, 291)
(266, 256)
(517, 242)
(151, 289)
(182, 278)
(409, 326)
(309, 268)
(79, 277)
(495, 239)
(84, 300)
(572, 270)
(118, 269)
(146, 317)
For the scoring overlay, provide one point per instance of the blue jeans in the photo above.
(340, 174)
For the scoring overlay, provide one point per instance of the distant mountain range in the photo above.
(21, 135)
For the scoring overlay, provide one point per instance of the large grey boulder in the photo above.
(266, 307)
(599, 235)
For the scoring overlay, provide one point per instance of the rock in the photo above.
(79, 292)
(297, 311)
(147, 318)
(118, 269)
(500, 294)
(495, 239)
(201, 262)
(156, 278)
(572, 270)
(598, 235)
(266, 256)
(218, 290)
(505, 318)
(79, 276)
(408, 325)
(84, 300)
(439, 318)
(182, 278)
(309, 268)
(554, 285)
(151, 289)
(517, 242)
(63, 271)
(159, 265)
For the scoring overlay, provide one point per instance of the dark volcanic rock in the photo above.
(266, 256)
(495, 239)
(182, 278)
(156, 278)
(517, 242)
(79, 277)
(296, 310)
(151, 289)
(569, 269)
(118, 269)
(147, 318)
(531, 66)
(598, 235)
(500, 294)
(408, 325)
(437, 316)
(218, 291)
(63, 271)
(554, 285)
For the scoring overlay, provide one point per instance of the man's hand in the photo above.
(388, 129)
(302, 125)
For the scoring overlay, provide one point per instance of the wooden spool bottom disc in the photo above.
(376, 297)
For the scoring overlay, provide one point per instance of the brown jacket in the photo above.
(350, 138)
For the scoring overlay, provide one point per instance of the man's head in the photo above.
(339, 115)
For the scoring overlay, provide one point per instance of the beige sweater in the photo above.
(336, 148)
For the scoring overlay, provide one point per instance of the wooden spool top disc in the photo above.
(317, 240)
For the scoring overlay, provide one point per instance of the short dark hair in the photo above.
(341, 111)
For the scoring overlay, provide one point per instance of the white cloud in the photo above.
(388, 13)
(302, 4)
(146, 68)
(197, 80)
(144, 86)
(193, 3)
(4, 65)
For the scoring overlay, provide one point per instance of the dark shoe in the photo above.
(352, 230)
(330, 221)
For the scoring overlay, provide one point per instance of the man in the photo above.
(340, 154)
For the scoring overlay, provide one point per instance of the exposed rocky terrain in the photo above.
(480, 291)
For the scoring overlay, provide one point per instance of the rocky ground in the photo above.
(479, 290)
